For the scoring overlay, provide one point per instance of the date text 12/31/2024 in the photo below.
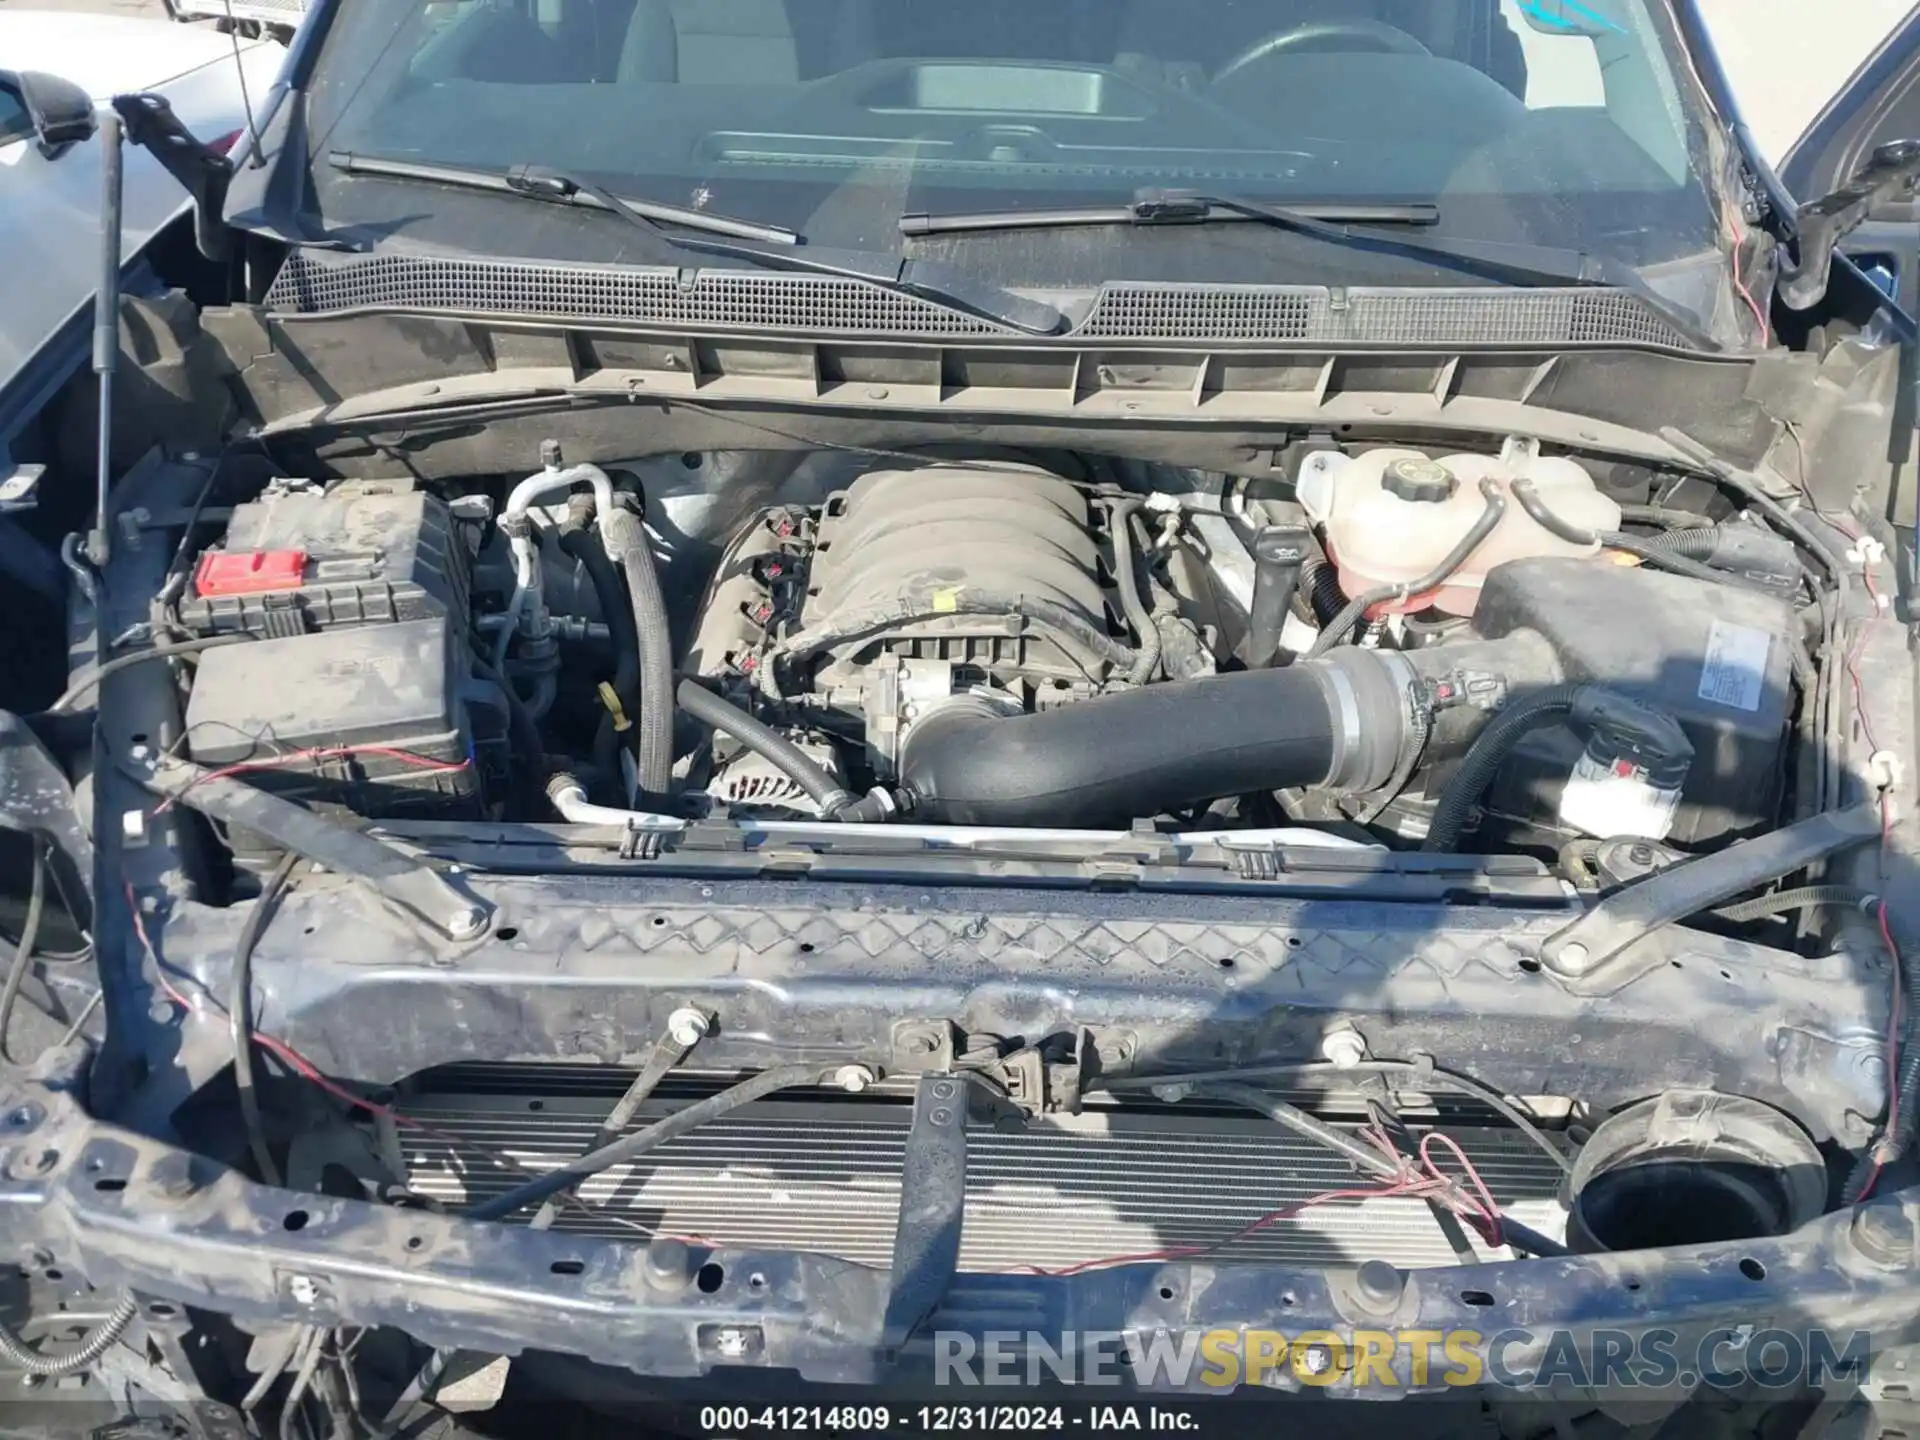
(744, 1420)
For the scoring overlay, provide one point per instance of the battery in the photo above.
(370, 718)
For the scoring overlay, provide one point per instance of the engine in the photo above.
(992, 642)
(865, 615)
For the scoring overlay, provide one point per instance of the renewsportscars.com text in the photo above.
(1517, 1359)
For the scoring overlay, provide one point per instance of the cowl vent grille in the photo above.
(317, 284)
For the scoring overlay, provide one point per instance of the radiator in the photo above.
(823, 1174)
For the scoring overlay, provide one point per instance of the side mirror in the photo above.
(60, 112)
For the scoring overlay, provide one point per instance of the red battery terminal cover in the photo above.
(248, 572)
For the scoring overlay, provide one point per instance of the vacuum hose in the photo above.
(1337, 722)
(1683, 552)
(1146, 659)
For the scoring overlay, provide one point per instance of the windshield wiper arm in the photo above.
(787, 250)
(1513, 264)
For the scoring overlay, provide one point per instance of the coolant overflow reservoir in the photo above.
(1391, 516)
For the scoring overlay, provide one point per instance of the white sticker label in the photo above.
(1735, 672)
(1613, 800)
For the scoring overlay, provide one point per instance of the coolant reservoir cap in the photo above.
(1419, 479)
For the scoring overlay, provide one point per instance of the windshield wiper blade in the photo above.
(923, 279)
(559, 189)
(1507, 263)
(1163, 208)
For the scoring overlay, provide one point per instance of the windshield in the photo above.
(1535, 121)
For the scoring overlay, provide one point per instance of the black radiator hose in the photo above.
(625, 537)
(1338, 722)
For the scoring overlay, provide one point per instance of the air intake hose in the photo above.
(1338, 722)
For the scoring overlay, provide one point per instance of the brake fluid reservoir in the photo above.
(1390, 516)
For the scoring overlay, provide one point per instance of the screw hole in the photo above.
(1225, 962)
(109, 1185)
(659, 919)
(1633, 1284)
(1726, 975)
(414, 1242)
(1166, 1292)
(160, 1310)
(1753, 1269)
(1529, 964)
(806, 947)
(567, 1267)
(756, 1281)
(1294, 942)
(1289, 1299)
(1480, 1299)
(536, 1104)
(294, 1220)
(507, 932)
(54, 1273)
(710, 1278)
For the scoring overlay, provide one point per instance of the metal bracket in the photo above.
(410, 883)
(1047, 1078)
(19, 487)
(1888, 174)
(203, 172)
(933, 1194)
(1588, 952)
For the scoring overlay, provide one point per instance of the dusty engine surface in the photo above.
(912, 587)
(991, 642)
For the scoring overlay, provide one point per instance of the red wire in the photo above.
(1740, 285)
(1476, 1204)
(1187, 1252)
(1479, 1194)
(425, 764)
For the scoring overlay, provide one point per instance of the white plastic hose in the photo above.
(574, 807)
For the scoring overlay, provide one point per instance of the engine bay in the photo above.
(1383, 647)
